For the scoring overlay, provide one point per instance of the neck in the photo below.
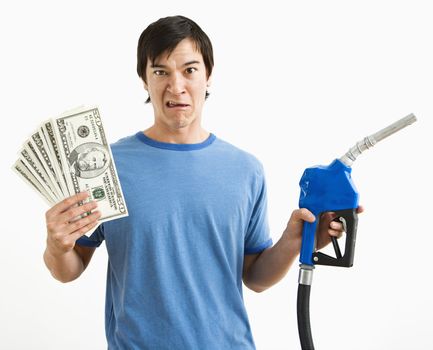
(185, 135)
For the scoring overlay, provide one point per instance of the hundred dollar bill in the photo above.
(87, 161)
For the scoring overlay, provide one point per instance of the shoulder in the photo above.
(126, 146)
(247, 160)
(126, 141)
(125, 151)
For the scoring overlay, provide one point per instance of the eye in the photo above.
(191, 70)
(159, 72)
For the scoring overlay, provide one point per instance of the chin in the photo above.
(182, 122)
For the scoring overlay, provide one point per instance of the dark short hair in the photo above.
(164, 35)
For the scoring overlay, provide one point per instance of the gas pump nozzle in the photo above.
(331, 189)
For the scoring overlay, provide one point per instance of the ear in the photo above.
(209, 81)
(145, 85)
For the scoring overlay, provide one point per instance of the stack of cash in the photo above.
(70, 154)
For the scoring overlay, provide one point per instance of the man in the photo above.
(197, 224)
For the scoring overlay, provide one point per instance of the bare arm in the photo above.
(263, 270)
(68, 266)
(66, 260)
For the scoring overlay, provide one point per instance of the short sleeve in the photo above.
(95, 238)
(257, 237)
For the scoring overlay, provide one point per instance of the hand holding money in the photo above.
(68, 155)
(65, 222)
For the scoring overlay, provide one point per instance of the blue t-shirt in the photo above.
(174, 277)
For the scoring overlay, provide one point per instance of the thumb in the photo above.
(303, 214)
(296, 222)
(298, 217)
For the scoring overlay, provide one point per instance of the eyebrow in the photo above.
(184, 65)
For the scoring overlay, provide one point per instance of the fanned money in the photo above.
(70, 154)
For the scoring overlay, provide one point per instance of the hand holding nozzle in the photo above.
(331, 189)
(371, 140)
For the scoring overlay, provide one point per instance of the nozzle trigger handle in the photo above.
(350, 220)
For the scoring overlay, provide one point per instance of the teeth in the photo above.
(171, 104)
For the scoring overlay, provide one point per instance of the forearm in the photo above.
(272, 264)
(64, 266)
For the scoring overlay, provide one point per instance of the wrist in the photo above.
(294, 242)
(53, 250)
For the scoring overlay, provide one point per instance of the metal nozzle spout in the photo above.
(371, 140)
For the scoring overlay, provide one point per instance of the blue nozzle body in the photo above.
(324, 189)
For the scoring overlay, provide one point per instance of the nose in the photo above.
(176, 84)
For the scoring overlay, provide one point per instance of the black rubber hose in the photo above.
(303, 306)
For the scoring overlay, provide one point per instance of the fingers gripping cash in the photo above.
(68, 162)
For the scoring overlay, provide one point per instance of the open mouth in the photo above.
(172, 104)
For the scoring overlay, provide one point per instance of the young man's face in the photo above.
(177, 86)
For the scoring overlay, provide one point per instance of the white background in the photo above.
(296, 85)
